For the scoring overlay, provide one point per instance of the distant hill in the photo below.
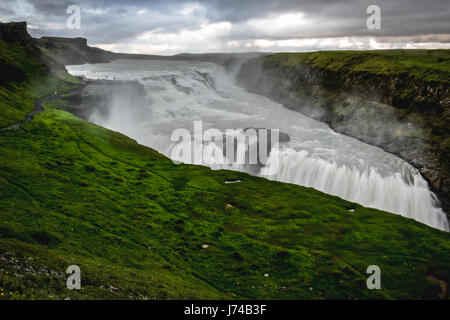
(70, 51)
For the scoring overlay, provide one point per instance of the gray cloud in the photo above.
(6, 11)
(123, 21)
(50, 7)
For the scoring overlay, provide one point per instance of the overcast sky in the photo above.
(175, 26)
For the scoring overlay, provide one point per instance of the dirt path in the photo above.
(38, 108)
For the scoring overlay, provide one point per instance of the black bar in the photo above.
(225, 309)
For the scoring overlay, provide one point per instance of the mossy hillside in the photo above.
(75, 193)
(424, 65)
(136, 224)
(36, 80)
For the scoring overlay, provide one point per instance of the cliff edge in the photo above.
(69, 51)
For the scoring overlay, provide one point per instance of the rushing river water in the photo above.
(179, 93)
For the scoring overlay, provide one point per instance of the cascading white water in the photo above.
(178, 93)
(369, 188)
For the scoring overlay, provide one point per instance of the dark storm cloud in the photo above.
(344, 18)
(113, 21)
(6, 11)
(50, 7)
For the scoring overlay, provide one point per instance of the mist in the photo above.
(173, 95)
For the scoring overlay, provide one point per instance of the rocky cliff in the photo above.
(397, 100)
(14, 35)
(67, 51)
(15, 32)
(70, 51)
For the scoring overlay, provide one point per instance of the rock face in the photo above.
(64, 51)
(15, 32)
(69, 51)
(413, 125)
(96, 96)
(79, 42)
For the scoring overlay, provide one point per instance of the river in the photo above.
(179, 93)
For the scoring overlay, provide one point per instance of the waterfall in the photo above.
(179, 93)
(390, 193)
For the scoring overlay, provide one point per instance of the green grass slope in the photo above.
(141, 227)
(31, 79)
(75, 193)
(424, 65)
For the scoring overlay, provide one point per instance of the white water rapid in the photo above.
(178, 93)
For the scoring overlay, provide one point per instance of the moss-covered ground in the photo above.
(17, 97)
(141, 227)
(424, 65)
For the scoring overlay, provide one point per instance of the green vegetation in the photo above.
(17, 97)
(141, 227)
(425, 65)
(74, 193)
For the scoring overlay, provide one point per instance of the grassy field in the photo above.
(141, 227)
(424, 65)
(74, 193)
